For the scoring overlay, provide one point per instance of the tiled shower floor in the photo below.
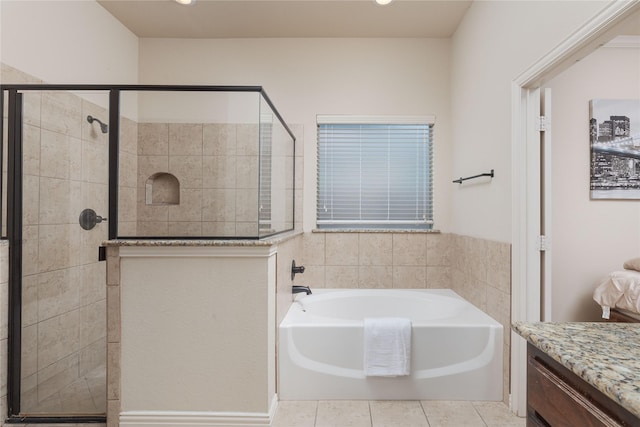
(395, 414)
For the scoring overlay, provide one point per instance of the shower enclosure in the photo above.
(83, 164)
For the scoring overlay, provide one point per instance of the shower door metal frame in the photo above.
(15, 210)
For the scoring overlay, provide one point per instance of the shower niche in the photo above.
(211, 162)
(162, 189)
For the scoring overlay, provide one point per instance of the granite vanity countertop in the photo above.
(605, 355)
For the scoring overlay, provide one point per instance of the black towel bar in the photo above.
(459, 181)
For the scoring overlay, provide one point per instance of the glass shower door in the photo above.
(65, 149)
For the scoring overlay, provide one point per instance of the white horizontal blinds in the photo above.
(264, 209)
(376, 175)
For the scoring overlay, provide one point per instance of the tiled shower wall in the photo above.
(477, 269)
(216, 166)
(64, 312)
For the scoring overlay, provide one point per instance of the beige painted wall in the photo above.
(206, 316)
(307, 77)
(590, 238)
(495, 42)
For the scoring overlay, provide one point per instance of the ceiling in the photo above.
(288, 18)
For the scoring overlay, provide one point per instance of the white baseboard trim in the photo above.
(198, 418)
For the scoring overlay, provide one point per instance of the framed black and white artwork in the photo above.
(614, 134)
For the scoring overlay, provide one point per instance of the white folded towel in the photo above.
(387, 346)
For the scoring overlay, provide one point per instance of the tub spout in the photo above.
(296, 289)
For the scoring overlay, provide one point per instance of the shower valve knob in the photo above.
(88, 219)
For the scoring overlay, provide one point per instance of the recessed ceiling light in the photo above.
(186, 2)
(383, 2)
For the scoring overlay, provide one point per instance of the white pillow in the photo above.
(632, 264)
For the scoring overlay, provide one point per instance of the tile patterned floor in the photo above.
(394, 414)
(358, 413)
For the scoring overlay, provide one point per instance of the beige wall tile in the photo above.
(221, 229)
(60, 155)
(61, 245)
(92, 357)
(247, 172)
(219, 172)
(29, 350)
(31, 200)
(185, 139)
(62, 112)
(247, 229)
(30, 248)
(58, 337)
(247, 143)
(57, 375)
(313, 252)
(129, 136)
(219, 205)
(128, 170)
(113, 314)
(341, 249)
(151, 213)
(60, 201)
(190, 207)
(409, 277)
(188, 229)
(247, 206)
(314, 276)
(127, 206)
(341, 276)
(148, 166)
(153, 139)
(93, 323)
(58, 292)
(409, 249)
(438, 249)
(375, 249)
(113, 371)
(219, 140)
(93, 282)
(375, 276)
(30, 299)
(95, 167)
(30, 150)
(153, 228)
(188, 170)
(438, 277)
(4, 304)
(93, 131)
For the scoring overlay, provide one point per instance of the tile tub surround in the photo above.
(605, 355)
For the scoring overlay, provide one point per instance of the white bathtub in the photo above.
(456, 349)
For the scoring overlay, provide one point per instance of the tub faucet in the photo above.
(296, 289)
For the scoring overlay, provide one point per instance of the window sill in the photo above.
(373, 230)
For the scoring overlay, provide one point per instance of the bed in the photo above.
(619, 294)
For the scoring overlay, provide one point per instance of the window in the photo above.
(374, 173)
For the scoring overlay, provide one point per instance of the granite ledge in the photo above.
(269, 241)
(605, 355)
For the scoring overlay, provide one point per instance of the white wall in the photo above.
(68, 42)
(495, 42)
(74, 42)
(307, 77)
(590, 237)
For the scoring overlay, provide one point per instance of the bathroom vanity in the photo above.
(582, 374)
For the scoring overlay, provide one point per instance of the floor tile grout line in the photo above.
(473, 404)
(426, 417)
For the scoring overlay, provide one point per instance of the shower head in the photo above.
(103, 126)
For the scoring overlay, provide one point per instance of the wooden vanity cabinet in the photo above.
(557, 397)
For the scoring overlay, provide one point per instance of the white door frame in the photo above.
(525, 292)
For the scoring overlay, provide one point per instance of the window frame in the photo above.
(377, 225)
